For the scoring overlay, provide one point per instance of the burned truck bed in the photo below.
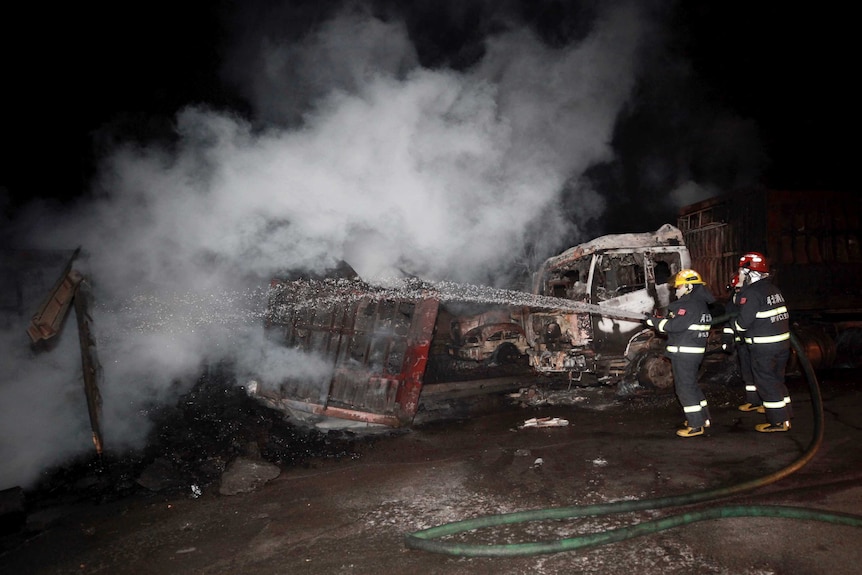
(385, 350)
(375, 342)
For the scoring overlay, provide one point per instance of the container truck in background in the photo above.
(811, 241)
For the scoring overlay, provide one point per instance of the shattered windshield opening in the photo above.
(619, 274)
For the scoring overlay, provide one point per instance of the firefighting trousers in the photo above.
(767, 366)
(744, 354)
(685, 367)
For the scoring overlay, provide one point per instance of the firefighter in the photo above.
(764, 323)
(687, 325)
(731, 340)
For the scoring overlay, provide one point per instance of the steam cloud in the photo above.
(355, 152)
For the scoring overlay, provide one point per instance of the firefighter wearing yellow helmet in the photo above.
(687, 327)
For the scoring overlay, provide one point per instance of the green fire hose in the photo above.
(428, 539)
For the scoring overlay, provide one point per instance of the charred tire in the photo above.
(655, 371)
(506, 354)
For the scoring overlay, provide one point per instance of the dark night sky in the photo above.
(78, 75)
(788, 70)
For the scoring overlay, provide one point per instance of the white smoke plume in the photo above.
(355, 153)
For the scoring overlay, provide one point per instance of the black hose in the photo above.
(426, 538)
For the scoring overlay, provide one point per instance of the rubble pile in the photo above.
(191, 445)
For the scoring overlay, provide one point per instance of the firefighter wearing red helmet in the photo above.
(731, 341)
(729, 338)
(687, 325)
(763, 321)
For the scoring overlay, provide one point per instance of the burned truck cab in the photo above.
(625, 274)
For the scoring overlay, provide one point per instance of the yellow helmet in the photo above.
(687, 277)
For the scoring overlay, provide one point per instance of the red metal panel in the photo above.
(377, 343)
(416, 358)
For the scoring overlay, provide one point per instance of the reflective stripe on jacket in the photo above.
(688, 322)
(763, 317)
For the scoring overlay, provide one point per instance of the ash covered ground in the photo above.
(192, 442)
(343, 503)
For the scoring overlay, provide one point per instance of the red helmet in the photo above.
(755, 262)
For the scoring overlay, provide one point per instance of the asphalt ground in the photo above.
(351, 515)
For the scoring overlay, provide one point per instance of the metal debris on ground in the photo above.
(534, 396)
(544, 422)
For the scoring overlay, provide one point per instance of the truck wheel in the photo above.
(506, 354)
(819, 347)
(655, 371)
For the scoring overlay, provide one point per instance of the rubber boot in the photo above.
(690, 431)
(772, 427)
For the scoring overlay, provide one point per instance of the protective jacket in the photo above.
(730, 338)
(762, 318)
(687, 323)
